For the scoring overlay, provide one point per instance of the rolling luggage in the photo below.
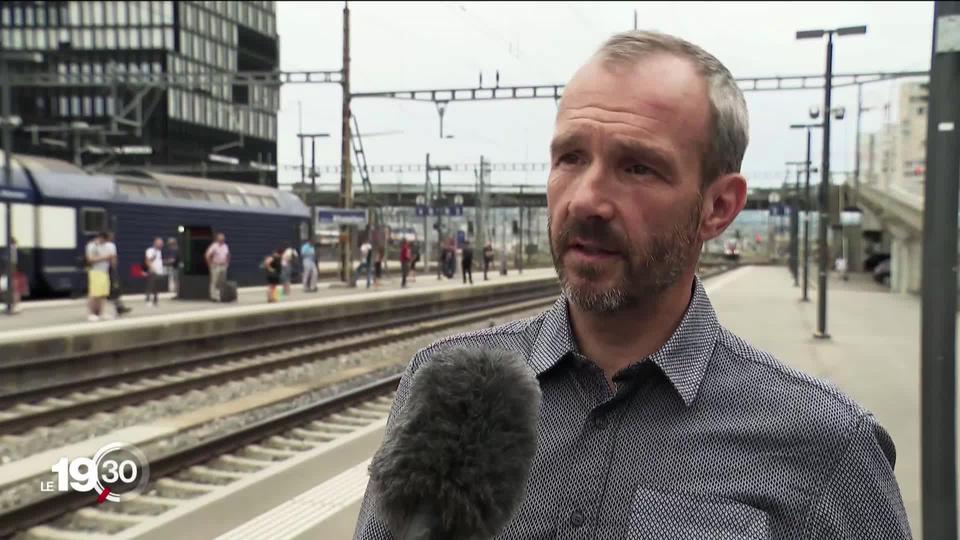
(228, 293)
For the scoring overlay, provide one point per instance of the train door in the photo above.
(194, 276)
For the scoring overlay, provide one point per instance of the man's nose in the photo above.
(591, 198)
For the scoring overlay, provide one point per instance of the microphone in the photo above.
(456, 461)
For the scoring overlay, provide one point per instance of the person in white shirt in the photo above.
(218, 260)
(286, 271)
(153, 258)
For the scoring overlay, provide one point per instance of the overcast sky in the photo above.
(411, 45)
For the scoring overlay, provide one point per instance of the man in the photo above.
(466, 262)
(172, 264)
(218, 260)
(98, 256)
(366, 253)
(657, 422)
(14, 282)
(115, 295)
(487, 259)
(309, 257)
(405, 258)
(153, 258)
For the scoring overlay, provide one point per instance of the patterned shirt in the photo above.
(707, 438)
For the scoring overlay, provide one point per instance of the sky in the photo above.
(426, 45)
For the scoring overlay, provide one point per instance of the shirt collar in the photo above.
(683, 359)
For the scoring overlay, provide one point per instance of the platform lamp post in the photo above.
(7, 122)
(821, 332)
(313, 177)
(814, 113)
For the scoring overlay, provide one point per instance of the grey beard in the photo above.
(607, 301)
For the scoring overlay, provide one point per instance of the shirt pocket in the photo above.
(662, 515)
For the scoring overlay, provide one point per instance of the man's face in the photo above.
(220, 238)
(158, 243)
(624, 189)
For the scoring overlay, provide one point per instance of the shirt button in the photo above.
(577, 518)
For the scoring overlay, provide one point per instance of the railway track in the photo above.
(203, 474)
(291, 423)
(47, 405)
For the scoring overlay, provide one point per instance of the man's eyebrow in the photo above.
(658, 158)
(564, 140)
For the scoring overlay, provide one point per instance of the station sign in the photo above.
(342, 216)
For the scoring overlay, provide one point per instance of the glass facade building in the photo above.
(183, 124)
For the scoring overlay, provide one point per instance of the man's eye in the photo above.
(569, 159)
(638, 169)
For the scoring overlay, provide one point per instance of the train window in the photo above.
(93, 220)
(218, 196)
(180, 193)
(236, 199)
(198, 195)
(152, 191)
(270, 202)
(129, 188)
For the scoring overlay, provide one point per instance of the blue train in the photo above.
(58, 207)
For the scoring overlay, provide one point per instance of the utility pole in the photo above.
(439, 224)
(856, 155)
(346, 180)
(520, 226)
(938, 399)
(428, 203)
(480, 236)
(5, 120)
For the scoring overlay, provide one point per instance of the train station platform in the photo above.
(46, 314)
(872, 356)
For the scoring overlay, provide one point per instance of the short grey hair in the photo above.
(729, 123)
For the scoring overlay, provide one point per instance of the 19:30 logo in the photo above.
(118, 471)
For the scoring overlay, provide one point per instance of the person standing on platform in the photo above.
(273, 266)
(218, 260)
(405, 259)
(286, 272)
(378, 266)
(656, 421)
(153, 258)
(366, 253)
(310, 272)
(12, 281)
(172, 265)
(487, 259)
(115, 292)
(415, 258)
(97, 258)
(466, 262)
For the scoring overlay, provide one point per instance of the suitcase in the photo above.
(228, 293)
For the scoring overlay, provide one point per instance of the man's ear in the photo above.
(723, 200)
